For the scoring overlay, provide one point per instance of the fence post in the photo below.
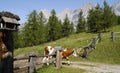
(112, 36)
(94, 42)
(99, 37)
(32, 63)
(58, 59)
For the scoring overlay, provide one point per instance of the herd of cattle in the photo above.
(50, 51)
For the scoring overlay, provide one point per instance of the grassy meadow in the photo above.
(52, 69)
(107, 51)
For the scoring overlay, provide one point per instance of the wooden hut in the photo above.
(8, 24)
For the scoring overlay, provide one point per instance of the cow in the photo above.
(48, 50)
(65, 53)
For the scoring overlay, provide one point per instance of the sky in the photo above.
(23, 7)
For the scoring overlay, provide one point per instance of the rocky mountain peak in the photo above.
(73, 14)
(116, 8)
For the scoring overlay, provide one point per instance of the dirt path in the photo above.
(91, 67)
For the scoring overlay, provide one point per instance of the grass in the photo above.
(52, 69)
(106, 52)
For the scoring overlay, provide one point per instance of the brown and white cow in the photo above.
(48, 50)
(65, 53)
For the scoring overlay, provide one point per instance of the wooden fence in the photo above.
(112, 36)
(32, 63)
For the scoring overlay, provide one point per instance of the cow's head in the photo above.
(74, 53)
(50, 49)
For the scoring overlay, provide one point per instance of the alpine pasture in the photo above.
(106, 52)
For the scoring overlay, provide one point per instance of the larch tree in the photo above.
(53, 27)
(81, 23)
(66, 27)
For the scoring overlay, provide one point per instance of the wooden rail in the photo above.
(112, 36)
(32, 62)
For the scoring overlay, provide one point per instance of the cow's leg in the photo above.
(47, 61)
(68, 62)
(44, 60)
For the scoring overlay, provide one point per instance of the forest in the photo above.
(37, 30)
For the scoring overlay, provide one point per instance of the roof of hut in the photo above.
(9, 20)
(9, 15)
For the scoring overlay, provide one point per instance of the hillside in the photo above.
(106, 52)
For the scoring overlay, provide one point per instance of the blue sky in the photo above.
(23, 7)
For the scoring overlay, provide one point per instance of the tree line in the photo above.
(37, 30)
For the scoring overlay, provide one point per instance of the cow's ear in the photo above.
(73, 49)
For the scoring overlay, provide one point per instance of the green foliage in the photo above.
(16, 37)
(95, 20)
(101, 18)
(31, 29)
(33, 33)
(108, 16)
(66, 28)
(41, 28)
(54, 27)
(72, 28)
(81, 23)
(118, 20)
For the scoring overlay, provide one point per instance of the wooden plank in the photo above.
(32, 64)
(117, 32)
(15, 59)
(58, 60)
(16, 68)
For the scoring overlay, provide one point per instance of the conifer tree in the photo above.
(30, 29)
(118, 20)
(81, 23)
(108, 16)
(59, 29)
(72, 28)
(94, 20)
(53, 27)
(41, 29)
(66, 27)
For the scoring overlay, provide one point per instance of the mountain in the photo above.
(116, 8)
(72, 14)
(85, 9)
(63, 13)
